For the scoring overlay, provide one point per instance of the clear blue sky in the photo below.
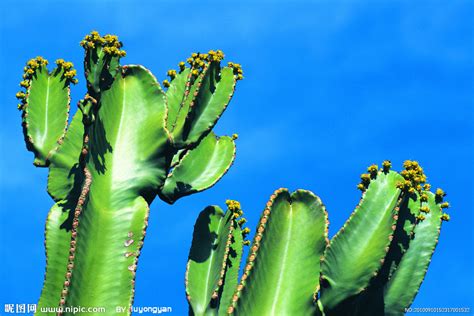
(330, 87)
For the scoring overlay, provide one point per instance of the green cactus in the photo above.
(374, 265)
(130, 141)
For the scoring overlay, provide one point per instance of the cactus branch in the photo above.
(284, 257)
(357, 251)
(406, 280)
(208, 258)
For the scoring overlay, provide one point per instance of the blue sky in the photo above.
(330, 87)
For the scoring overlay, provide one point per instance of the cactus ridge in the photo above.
(403, 285)
(55, 260)
(195, 172)
(208, 257)
(231, 273)
(175, 92)
(44, 90)
(207, 88)
(75, 223)
(328, 242)
(222, 271)
(206, 108)
(81, 201)
(136, 255)
(214, 258)
(254, 249)
(225, 260)
(193, 85)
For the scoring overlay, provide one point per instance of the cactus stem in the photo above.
(137, 253)
(254, 250)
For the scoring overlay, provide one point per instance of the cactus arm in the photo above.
(193, 85)
(46, 112)
(177, 157)
(207, 91)
(57, 239)
(175, 95)
(214, 94)
(64, 172)
(45, 109)
(371, 301)
(200, 168)
(127, 161)
(207, 258)
(356, 252)
(231, 277)
(282, 269)
(64, 185)
(405, 282)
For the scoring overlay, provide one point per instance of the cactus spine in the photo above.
(130, 141)
(374, 265)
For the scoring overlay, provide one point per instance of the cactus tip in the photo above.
(233, 205)
(424, 197)
(242, 221)
(386, 165)
(425, 209)
(365, 177)
(414, 177)
(237, 68)
(440, 193)
(68, 71)
(29, 71)
(109, 44)
(444, 205)
(445, 217)
(171, 73)
(361, 187)
(373, 170)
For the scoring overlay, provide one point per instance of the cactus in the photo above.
(374, 265)
(130, 141)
